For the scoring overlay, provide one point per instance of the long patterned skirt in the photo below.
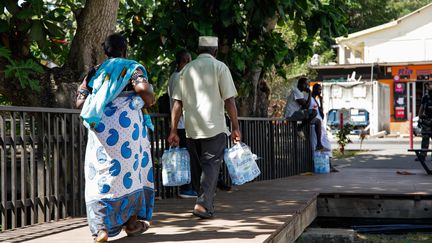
(118, 168)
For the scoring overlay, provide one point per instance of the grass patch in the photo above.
(348, 153)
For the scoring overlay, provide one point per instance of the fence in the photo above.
(42, 160)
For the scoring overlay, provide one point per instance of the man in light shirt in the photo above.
(205, 88)
(297, 107)
(182, 58)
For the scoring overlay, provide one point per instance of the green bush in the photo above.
(342, 137)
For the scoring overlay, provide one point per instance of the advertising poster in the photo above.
(400, 100)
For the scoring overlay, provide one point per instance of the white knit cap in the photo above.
(211, 41)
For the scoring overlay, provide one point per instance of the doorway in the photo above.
(420, 91)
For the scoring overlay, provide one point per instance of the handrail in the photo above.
(42, 152)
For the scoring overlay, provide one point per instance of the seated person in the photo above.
(297, 108)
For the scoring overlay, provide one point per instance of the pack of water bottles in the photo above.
(241, 164)
(321, 163)
(176, 167)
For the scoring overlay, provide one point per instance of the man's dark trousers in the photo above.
(206, 158)
(426, 134)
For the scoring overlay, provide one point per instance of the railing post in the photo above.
(24, 177)
(40, 169)
(295, 143)
(272, 151)
(309, 150)
(33, 182)
(3, 174)
(14, 186)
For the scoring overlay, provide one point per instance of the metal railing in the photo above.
(42, 154)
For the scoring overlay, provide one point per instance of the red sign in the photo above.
(400, 112)
(396, 78)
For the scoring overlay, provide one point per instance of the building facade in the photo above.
(397, 55)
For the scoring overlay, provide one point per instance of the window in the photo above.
(347, 55)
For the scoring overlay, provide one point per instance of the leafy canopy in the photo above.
(246, 31)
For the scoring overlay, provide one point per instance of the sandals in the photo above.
(144, 226)
(203, 215)
(102, 236)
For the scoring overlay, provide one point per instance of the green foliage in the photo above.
(4, 101)
(248, 42)
(404, 7)
(22, 70)
(33, 30)
(342, 136)
(38, 23)
(364, 14)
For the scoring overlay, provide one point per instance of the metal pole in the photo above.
(411, 130)
(341, 125)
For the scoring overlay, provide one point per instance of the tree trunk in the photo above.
(96, 21)
(256, 104)
(58, 85)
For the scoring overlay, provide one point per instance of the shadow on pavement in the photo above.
(379, 160)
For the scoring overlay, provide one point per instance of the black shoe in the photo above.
(223, 186)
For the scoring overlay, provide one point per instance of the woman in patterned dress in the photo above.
(118, 168)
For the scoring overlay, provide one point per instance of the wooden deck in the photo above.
(270, 211)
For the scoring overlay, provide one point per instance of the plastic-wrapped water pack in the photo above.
(176, 167)
(241, 164)
(321, 163)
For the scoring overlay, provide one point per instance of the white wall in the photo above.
(341, 95)
(410, 40)
(372, 96)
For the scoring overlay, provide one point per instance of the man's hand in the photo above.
(173, 139)
(235, 136)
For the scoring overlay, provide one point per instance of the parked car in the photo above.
(359, 118)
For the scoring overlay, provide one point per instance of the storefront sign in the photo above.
(400, 101)
(424, 72)
(400, 113)
(405, 73)
(399, 87)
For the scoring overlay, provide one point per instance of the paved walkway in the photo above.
(263, 211)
